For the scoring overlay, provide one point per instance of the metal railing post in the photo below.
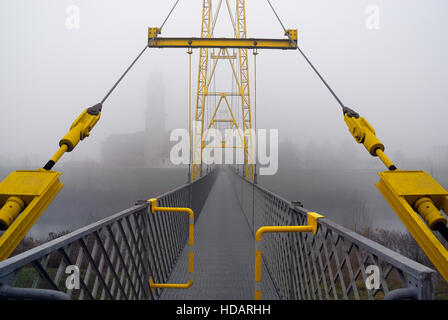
(155, 208)
(310, 227)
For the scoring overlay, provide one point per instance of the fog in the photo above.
(343, 193)
(395, 76)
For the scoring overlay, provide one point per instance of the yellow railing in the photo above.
(155, 208)
(310, 227)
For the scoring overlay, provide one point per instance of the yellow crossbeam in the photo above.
(223, 43)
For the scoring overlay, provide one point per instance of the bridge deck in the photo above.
(224, 252)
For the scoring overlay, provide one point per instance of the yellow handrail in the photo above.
(310, 227)
(155, 208)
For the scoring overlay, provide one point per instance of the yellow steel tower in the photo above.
(215, 110)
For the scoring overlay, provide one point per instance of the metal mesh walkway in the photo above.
(224, 252)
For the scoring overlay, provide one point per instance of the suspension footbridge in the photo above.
(221, 235)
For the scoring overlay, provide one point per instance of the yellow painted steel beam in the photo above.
(240, 70)
(250, 43)
(232, 57)
(246, 107)
(223, 120)
(24, 195)
(202, 89)
(155, 208)
(415, 196)
(222, 146)
(228, 94)
(310, 227)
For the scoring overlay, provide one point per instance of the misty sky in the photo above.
(394, 76)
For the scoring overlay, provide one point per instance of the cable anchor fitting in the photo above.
(364, 133)
(79, 130)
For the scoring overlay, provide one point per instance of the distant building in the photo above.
(156, 144)
(149, 148)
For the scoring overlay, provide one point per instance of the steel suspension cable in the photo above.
(255, 91)
(442, 228)
(255, 52)
(87, 120)
(124, 74)
(138, 57)
(308, 60)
